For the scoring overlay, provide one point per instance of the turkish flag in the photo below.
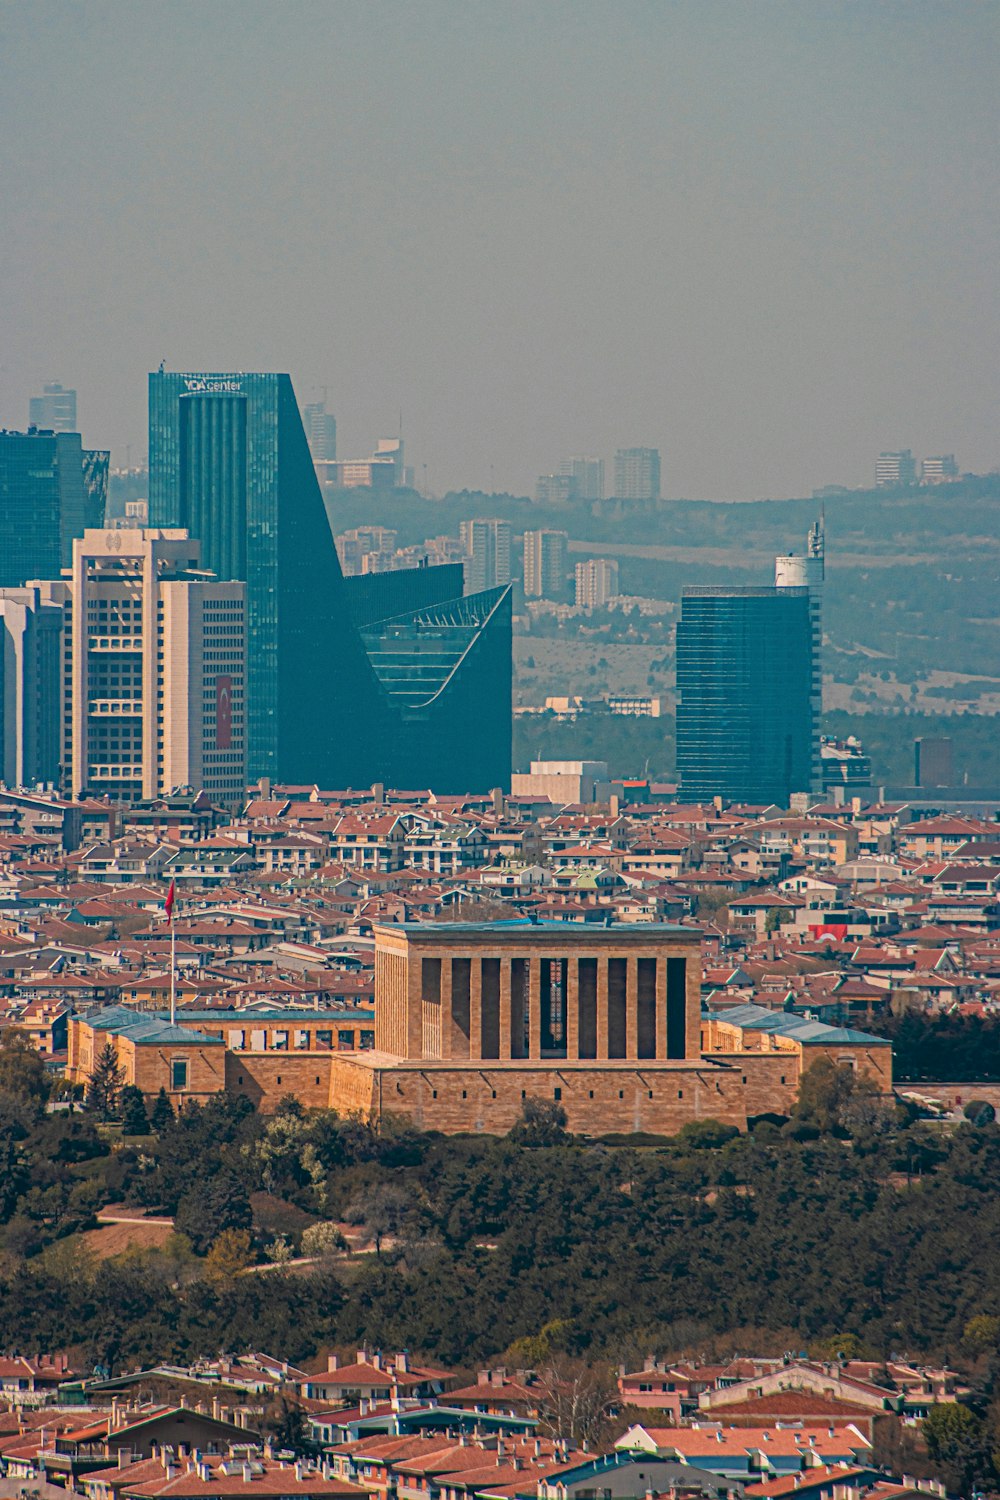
(168, 905)
(223, 713)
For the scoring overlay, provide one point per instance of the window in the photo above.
(556, 1094)
(179, 1073)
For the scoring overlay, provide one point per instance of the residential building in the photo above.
(596, 582)
(54, 410)
(155, 665)
(587, 475)
(637, 474)
(895, 470)
(941, 469)
(746, 727)
(30, 688)
(43, 503)
(545, 564)
(487, 545)
(554, 489)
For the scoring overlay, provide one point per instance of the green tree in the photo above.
(163, 1112)
(135, 1121)
(981, 1333)
(106, 1081)
(228, 1256)
(23, 1081)
(542, 1123)
(210, 1208)
(957, 1441)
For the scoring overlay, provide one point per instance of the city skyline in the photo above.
(756, 295)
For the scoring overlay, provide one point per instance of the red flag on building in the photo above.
(168, 905)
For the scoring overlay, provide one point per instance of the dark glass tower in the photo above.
(42, 504)
(744, 685)
(229, 460)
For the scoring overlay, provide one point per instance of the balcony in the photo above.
(115, 643)
(115, 707)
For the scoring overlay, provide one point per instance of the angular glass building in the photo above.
(229, 460)
(745, 710)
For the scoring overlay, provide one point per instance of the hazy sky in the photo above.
(761, 236)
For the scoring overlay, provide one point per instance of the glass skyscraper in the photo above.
(42, 504)
(745, 711)
(229, 460)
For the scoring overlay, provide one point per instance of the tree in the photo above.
(163, 1112)
(22, 1072)
(542, 1123)
(981, 1333)
(215, 1205)
(834, 1098)
(322, 1239)
(229, 1254)
(705, 1134)
(955, 1439)
(381, 1210)
(980, 1112)
(104, 1092)
(135, 1121)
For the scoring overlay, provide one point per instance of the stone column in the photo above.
(661, 1008)
(476, 1009)
(534, 1009)
(505, 965)
(602, 1008)
(631, 1008)
(572, 1009)
(447, 1019)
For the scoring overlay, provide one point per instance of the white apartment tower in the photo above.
(154, 669)
(487, 547)
(596, 582)
(545, 564)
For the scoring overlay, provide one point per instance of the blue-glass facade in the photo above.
(744, 685)
(228, 460)
(42, 504)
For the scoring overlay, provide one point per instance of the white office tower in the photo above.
(795, 572)
(154, 669)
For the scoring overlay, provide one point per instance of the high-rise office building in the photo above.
(895, 470)
(745, 676)
(54, 410)
(637, 474)
(941, 469)
(545, 564)
(31, 688)
(229, 462)
(933, 761)
(154, 669)
(96, 469)
(487, 544)
(808, 571)
(321, 432)
(43, 504)
(596, 582)
(587, 475)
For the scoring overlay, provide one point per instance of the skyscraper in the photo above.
(321, 432)
(587, 475)
(42, 504)
(154, 691)
(487, 544)
(230, 463)
(637, 474)
(54, 410)
(808, 571)
(545, 564)
(31, 688)
(745, 720)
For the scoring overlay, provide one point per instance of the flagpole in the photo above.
(173, 972)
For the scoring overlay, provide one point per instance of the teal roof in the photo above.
(799, 1028)
(140, 1026)
(228, 1017)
